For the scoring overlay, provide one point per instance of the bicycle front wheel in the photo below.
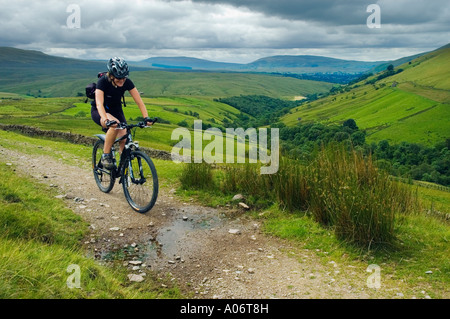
(103, 177)
(140, 182)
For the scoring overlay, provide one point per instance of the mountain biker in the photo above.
(107, 106)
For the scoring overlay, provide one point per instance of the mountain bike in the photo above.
(135, 169)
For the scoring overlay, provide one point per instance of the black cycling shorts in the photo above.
(96, 116)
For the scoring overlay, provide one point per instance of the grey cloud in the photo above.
(347, 12)
(223, 26)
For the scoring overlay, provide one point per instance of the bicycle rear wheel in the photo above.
(104, 178)
(140, 182)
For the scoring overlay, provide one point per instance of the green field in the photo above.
(160, 83)
(409, 106)
(387, 113)
(73, 115)
(48, 83)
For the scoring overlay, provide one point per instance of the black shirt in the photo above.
(113, 95)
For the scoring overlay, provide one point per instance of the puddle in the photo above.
(183, 236)
(181, 239)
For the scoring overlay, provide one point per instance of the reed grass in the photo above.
(340, 188)
(197, 176)
(348, 191)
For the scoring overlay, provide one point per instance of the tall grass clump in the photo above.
(197, 176)
(347, 191)
(290, 186)
(246, 178)
(340, 188)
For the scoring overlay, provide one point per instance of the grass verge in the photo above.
(40, 239)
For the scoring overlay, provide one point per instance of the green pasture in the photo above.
(72, 82)
(385, 113)
(73, 115)
(162, 83)
(430, 70)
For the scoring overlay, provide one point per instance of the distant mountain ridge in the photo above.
(186, 63)
(295, 64)
(282, 64)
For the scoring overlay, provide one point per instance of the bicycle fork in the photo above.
(129, 172)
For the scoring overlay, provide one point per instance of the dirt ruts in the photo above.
(211, 253)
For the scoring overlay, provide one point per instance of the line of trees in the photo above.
(257, 110)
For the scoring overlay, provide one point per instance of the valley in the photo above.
(201, 242)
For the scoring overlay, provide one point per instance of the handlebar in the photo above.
(121, 126)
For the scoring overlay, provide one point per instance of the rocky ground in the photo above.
(210, 253)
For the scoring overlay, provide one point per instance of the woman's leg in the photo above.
(112, 134)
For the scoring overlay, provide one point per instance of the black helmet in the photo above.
(118, 68)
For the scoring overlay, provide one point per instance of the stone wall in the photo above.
(75, 138)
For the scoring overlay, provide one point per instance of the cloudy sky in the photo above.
(225, 30)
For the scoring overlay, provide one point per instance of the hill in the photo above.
(163, 83)
(411, 103)
(298, 64)
(187, 63)
(305, 67)
(36, 74)
(310, 64)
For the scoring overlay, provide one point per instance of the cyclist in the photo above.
(107, 106)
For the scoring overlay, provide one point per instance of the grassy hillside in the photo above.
(412, 105)
(66, 83)
(36, 74)
(162, 83)
(73, 115)
(429, 71)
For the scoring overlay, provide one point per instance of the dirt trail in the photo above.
(193, 243)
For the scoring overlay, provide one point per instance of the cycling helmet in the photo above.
(118, 68)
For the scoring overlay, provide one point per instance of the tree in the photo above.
(358, 138)
(350, 123)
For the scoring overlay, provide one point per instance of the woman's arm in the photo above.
(137, 98)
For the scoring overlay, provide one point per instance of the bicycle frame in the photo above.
(130, 146)
(135, 169)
